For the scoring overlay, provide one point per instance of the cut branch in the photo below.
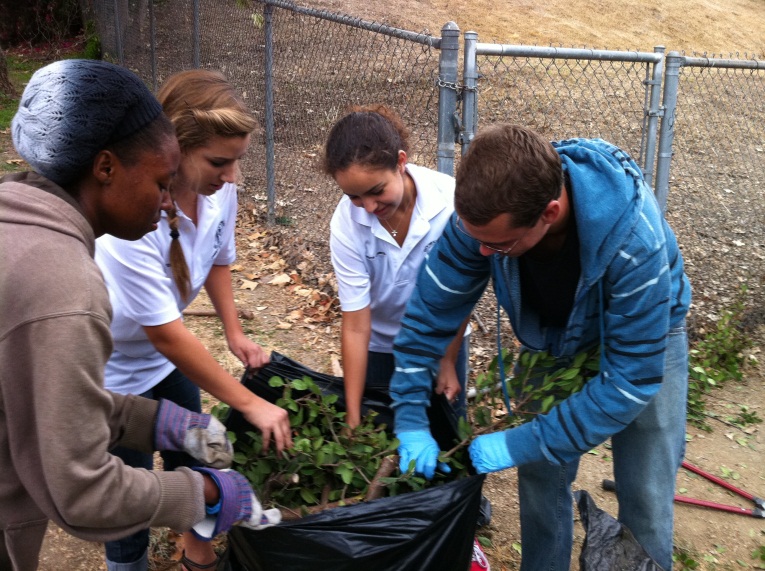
(376, 487)
(242, 313)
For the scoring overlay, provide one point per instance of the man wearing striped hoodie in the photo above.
(580, 257)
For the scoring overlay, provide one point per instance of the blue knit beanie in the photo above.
(72, 109)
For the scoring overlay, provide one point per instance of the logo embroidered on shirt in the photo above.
(218, 244)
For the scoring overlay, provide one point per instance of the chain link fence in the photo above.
(717, 179)
(299, 69)
(563, 92)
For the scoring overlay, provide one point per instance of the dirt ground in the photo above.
(290, 319)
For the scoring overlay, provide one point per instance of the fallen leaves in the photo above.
(265, 260)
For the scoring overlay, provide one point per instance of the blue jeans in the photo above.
(180, 390)
(381, 366)
(647, 455)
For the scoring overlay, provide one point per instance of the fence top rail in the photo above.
(724, 63)
(352, 21)
(566, 53)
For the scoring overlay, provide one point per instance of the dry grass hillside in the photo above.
(710, 26)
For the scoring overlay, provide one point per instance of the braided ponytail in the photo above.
(181, 273)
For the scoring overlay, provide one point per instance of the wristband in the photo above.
(214, 509)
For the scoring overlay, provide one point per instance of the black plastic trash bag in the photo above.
(609, 545)
(429, 530)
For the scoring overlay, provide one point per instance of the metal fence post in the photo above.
(268, 86)
(196, 39)
(118, 34)
(654, 112)
(153, 46)
(674, 61)
(469, 92)
(447, 96)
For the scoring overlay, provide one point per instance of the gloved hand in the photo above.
(489, 452)
(238, 505)
(419, 445)
(202, 436)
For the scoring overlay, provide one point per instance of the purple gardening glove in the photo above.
(238, 505)
(201, 436)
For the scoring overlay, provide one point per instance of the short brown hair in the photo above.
(507, 169)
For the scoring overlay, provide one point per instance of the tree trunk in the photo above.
(6, 87)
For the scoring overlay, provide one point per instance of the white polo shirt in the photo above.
(372, 269)
(142, 290)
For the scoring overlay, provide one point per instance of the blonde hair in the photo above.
(201, 104)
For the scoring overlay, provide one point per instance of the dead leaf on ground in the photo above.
(277, 265)
(247, 284)
(281, 279)
(337, 369)
(295, 315)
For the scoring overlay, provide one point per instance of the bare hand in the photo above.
(272, 421)
(252, 355)
(448, 384)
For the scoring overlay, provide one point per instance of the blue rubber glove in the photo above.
(419, 445)
(489, 453)
(201, 436)
(238, 505)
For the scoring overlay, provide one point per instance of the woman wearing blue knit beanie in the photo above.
(103, 156)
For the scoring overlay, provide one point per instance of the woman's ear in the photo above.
(103, 166)
(402, 160)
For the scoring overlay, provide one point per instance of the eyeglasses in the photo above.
(502, 251)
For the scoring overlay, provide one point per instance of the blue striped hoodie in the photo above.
(631, 291)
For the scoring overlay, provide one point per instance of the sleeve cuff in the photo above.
(408, 417)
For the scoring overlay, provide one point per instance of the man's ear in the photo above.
(551, 212)
(103, 166)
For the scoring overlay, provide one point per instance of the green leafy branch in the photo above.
(716, 358)
(329, 464)
(541, 384)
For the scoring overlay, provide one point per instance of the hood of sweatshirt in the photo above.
(28, 198)
(608, 195)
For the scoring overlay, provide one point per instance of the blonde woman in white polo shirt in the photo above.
(153, 279)
(388, 219)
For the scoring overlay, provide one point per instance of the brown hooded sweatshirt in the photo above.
(57, 422)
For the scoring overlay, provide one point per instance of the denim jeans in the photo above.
(647, 455)
(132, 549)
(381, 366)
